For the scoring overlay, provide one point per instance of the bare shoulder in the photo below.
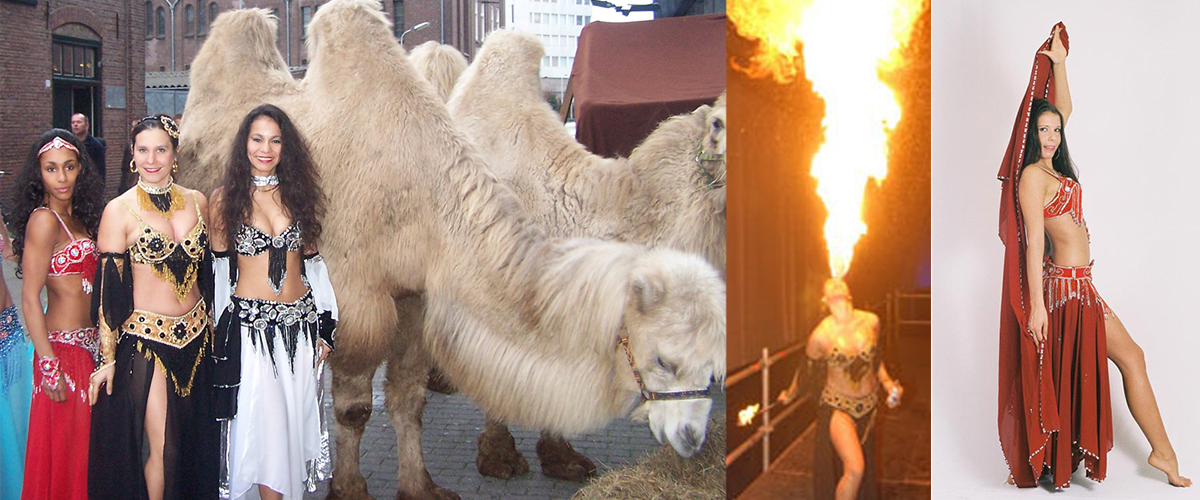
(42, 223)
(868, 317)
(195, 194)
(1033, 175)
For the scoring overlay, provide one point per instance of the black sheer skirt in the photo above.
(827, 466)
(192, 435)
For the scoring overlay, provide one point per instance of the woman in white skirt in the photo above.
(275, 312)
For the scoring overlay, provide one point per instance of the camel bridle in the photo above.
(710, 181)
(648, 395)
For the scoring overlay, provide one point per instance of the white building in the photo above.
(557, 23)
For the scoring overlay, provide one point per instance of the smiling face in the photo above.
(1049, 130)
(264, 145)
(153, 154)
(60, 168)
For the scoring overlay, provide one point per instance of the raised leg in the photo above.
(844, 437)
(351, 410)
(498, 455)
(407, 369)
(1131, 361)
(560, 460)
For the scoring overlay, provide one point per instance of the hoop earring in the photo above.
(175, 167)
(132, 167)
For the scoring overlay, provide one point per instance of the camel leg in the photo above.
(351, 409)
(407, 370)
(560, 460)
(498, 455)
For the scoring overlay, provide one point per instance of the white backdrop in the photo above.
(1134, 71)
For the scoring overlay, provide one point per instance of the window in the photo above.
(189, 16)
(160, 17)
(305, 17)
(398, 18)
(578, 20)
(149, 20)
(74, 60)
(201, 21)
(212, 12)
(587, 19)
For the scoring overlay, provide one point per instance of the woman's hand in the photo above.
(325, 350)
(893, 399)
(1057, 52)
(58, 393)
(1037, 325)
(103, 376)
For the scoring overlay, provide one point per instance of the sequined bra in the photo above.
(1068, 200)
(251, 241)
(856, 364)
(78, 257)
(159, 251)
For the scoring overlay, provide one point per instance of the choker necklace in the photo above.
(161, 200)
(265, 180)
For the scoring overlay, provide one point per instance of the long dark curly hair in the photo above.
(1033, 146)
(299, 181)
(87, 202)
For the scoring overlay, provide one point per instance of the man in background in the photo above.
(82, 128)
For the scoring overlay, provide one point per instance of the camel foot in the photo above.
(352, 489)
(560, 460)
(1167, 463)
(498, 455)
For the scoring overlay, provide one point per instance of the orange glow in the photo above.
(847, 46)
(746, 415)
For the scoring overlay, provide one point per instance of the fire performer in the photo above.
(847, 343)
(1055, 330)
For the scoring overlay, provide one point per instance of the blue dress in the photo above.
(16, 388)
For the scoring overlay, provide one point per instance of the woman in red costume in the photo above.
(57, 214)
(1055, 331)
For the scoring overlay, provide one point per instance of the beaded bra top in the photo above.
(78, 257)
(175, 262)
(1068, 200)
(854, 364)
(251, 241)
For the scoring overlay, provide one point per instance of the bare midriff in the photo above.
(69, 308)
(1070, 242)
(253, 283)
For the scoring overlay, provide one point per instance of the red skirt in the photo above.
(56, 455)
(1069, 417)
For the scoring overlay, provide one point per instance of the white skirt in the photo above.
(278, 438)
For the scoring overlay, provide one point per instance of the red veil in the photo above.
(1027, 405)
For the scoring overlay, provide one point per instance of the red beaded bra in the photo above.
(78, 257)
(1068, 200)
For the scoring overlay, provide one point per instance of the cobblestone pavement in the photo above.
(451, 424)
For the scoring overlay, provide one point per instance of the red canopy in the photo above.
(628, 77)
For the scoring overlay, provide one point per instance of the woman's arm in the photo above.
(1058, 58)
(1032, 195)
(40, 235)
(110, 241)
(8, 253)
(216, 221)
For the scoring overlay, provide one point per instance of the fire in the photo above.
(846, 48)
(746, 415)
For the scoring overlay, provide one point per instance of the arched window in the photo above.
(149, 20)
(189, 24)
(161, 18)
(201, 21)
(212, 12)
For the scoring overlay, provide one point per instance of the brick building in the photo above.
(60, 57)
(174, 31)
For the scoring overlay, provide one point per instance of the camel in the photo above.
(524, 324)
(440, 64)
(669, 193)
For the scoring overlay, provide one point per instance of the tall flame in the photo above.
(846, 47)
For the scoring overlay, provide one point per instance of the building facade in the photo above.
(65, 57)
(557, 24)
(174, 31)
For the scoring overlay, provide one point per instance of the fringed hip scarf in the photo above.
(87, 339)
(1063, 283)
(172, 342)
(12, 338)
(856, 407)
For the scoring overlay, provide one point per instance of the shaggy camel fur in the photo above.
(666, 194)
(415, 219)
(661, 196)
(440, 64)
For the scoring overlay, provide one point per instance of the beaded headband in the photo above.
(57, 143)
(168, 124)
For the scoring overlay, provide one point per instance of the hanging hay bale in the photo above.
(663, 475)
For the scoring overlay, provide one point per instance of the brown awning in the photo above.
(628, 77)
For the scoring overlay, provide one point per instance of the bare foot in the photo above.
(1170, 466)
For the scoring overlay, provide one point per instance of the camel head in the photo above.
(676, 326)
(714, 144)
